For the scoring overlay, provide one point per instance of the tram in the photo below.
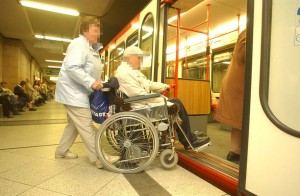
(190, 43)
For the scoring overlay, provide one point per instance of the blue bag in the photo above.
(99, 106)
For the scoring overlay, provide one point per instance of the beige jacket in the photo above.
(230, 106)
(134, 83)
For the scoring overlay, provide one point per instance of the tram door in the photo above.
(270, 162)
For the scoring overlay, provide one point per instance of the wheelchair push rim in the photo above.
(132, 137)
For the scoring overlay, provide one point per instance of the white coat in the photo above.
(81, 68)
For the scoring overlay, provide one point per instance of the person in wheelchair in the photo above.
(133, 83)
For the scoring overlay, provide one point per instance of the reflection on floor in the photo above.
(220, 139)
(215, 155)
(28, 166)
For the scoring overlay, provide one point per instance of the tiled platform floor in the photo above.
(28, 166)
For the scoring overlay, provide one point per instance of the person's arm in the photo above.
(149, 85)
(20, 92)
(2, 92)
(9, 91)
(74, 64)
(158, 87)
(30, 87)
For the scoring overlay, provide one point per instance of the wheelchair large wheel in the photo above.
(132, 137)
(165, 158)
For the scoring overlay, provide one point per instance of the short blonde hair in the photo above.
(87, 21)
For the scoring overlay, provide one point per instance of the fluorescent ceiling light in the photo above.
(56, 67)
(226, 62)
(149, 29)
(121, 52)
(49, 8)
(136, 26)
(53, 61)
(174, 18)
(113, 46)
(53, 38)
(52, 78)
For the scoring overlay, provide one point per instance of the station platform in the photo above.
(28, 166)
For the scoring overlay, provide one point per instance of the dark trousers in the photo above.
(13, 100)
(24, 101)
(6, 106)
(185, 125)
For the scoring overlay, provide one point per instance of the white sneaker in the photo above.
(67, 155)
(111, 159)
(98, 164)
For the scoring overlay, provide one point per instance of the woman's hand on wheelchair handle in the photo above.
(97, 85)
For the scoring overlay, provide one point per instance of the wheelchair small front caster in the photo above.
(168, 159)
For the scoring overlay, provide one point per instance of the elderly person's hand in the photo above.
(97, 85)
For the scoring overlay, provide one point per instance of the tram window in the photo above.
(116, 58)
(194, 68)
(132, 39)
(103, 61)
(220, 63)
(170, 69)
(146, 43)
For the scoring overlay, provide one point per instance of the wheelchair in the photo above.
(138, 136)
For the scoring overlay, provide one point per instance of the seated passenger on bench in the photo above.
(133, 83)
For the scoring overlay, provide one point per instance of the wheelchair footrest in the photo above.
(200, 148)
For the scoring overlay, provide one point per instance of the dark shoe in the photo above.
(21, 110)
(32, 109)
(198, 143)
(231, 156)
(16, 113)
(199, 134)
(173, 109)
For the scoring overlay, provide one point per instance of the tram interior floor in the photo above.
(28, 166)
(220, 139)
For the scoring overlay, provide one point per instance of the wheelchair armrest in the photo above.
(141, 97)
(112, 83)
(105, 89)
(105, 85)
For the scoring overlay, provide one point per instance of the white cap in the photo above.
(134, 50)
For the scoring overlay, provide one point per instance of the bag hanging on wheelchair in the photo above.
(99, 106)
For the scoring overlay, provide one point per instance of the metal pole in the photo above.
(207, 45)
(177, 54)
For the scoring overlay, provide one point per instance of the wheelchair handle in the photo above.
(168, 89)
